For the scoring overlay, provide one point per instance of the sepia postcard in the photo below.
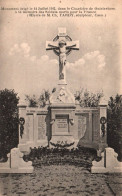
(71, 47)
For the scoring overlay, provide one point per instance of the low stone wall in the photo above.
(68, 126)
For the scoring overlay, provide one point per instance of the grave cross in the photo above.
(62, 45)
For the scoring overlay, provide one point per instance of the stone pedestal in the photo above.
(62, 110)
(108, 164)
(15, 163)
(22, 133)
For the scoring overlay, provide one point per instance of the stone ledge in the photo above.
(16, 171)
(106, 170)
(108, 163)
(15, 163)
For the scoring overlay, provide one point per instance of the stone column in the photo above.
(31, 128)
(90, 126)
(22, 114)
(103, 124)
(35, 128)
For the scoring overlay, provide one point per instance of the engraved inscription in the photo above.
(62, 123)
(41, 127)
(29, 132)
(81, 126)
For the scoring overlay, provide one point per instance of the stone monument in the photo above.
(62, 122)
(62, 102)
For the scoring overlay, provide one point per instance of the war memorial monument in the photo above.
(62, 122)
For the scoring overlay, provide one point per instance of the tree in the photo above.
(38, 102)
(88, 99)
(85, 98)
(44, 97)
(8, 120)
(114, 126)
(33, 102)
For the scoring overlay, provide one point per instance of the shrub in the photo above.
(38, 102)
(114, 125)
(8, 121)
(88, 99)
(85, 98)
(33, 102)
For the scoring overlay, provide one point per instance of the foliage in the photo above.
(81, 157)
(8, 120)
(114, 112)
(88, 99)
(54, 89)
(38, 102)
(44, 97)
(85, 98)
(33, 102)
(114, 126)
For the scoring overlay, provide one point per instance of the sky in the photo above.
(28, 68)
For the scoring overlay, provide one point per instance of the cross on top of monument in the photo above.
(61, 32)
(62, 45)
(62, 37)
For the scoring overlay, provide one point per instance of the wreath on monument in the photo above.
(62, 145)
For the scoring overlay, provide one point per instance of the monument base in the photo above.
(100, 170)
(25, 147)
(108, 163)
(63, 142)
(16, 171)
(15, 163)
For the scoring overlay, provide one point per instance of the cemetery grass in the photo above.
(60, 172)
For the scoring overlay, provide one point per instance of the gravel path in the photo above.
(61, 180)
(61, 175)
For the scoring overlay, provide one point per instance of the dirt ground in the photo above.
(61, 175)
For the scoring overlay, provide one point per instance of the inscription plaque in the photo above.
(29, 132)
(81, 126)
(41, 127)
(62, 123)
